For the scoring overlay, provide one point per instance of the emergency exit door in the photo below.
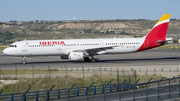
(59, 47)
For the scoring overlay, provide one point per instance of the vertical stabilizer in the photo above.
(157, 35)
(159, 30)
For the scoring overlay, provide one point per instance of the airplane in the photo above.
(83, 49)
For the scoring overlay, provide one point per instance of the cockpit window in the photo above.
(13, 46)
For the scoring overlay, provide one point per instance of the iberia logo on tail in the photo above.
(157, 35)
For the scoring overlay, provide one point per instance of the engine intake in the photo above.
(64, 57)
(75, 56)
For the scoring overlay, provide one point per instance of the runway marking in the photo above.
(145, 96)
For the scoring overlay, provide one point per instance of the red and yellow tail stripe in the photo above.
(164, 19)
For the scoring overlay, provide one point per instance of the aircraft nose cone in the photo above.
(5, 51)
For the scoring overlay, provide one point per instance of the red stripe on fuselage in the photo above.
(158, 33)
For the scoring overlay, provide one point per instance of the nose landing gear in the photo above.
(24, 60)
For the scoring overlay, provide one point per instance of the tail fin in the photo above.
(159, 31)
(157, 35)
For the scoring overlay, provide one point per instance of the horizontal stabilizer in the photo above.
(168, 40)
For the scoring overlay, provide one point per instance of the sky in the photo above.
(30, 10)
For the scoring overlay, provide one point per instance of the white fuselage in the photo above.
(56, 47)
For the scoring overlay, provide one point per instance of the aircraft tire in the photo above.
(93, 60)
(86, 59)
(24, 62)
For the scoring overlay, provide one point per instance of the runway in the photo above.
(153, 57)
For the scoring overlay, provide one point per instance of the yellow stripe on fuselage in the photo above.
(164, 17)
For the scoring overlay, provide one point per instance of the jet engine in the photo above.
(75, 56)
(64, 57)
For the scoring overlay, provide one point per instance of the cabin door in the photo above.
(24, 46)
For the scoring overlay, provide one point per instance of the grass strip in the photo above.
(63, 82)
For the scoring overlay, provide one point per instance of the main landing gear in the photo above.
(93, 60)
(86, 59)
(24, 60)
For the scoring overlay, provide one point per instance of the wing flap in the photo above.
(94, 50)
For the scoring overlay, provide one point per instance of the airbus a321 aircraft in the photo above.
(83, 49)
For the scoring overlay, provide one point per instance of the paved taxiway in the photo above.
(158, 57)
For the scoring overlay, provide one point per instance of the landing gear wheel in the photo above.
(86, 59)
(93, 60)
(24, 62)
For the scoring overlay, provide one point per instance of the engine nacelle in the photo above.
(75, 56)
(64, 57)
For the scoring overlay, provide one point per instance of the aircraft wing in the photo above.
(94, 50)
